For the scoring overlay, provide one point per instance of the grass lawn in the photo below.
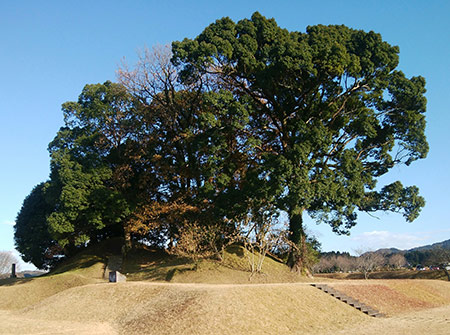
(169, 295)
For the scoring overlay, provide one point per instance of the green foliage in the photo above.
(329, 109)
(90, 202)
(31, 235)
(247, 118)
(429, 257)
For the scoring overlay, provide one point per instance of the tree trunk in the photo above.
(296, 259)
(127, 242)
(446, 272)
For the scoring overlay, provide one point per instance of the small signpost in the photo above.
(13, 271)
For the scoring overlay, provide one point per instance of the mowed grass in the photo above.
(156, 265)
(19, 293)
(165, 308)
(165, 294)
(143, 263)
(158, 308)
(395, 297)
(169, 295)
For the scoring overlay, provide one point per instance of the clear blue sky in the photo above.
(50, 49)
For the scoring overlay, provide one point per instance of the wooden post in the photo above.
(13, 271)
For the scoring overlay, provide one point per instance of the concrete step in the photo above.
(344, 298)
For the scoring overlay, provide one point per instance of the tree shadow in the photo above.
(15, 281)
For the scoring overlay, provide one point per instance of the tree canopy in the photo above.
(329, 108)
(243, 122)
(32, 236)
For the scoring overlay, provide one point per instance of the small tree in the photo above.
(6, 260)
(193, 242)
(368, 261)
(345, 263)
(257, 235)
(397, 261)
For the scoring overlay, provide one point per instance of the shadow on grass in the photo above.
(15, 281)
(236, 249)
(171, 273)
(77, 263)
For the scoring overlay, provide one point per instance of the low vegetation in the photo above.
(382, 262)
(392, 274)
(235, 266)
(394, 297)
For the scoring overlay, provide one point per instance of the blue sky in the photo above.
(50, 49)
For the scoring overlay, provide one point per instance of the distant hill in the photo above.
(439, 245)
(389, 251)
(427, 255)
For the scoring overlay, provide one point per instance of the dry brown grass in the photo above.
(395, 297)
(20, 293)
(155, 265)
(153, 308)
(434, 321)
(211, 300)
(290, 308)
(13, 323)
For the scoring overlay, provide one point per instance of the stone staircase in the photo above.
(349, 300)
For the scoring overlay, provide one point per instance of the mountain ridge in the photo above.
(429, 247)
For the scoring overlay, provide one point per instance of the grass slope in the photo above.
(158, 308)
(141, 264)
(165, 295)
(394, 297)
(156, 265)
(166, 308)
(22, 292)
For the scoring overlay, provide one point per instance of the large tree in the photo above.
(94, 159)
(31, 234)
(329, 109)
(200, 149)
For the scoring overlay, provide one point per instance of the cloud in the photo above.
(8, 223)
(385, 239)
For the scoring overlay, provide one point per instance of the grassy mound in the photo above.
(141, 264)
(156, 265)
(161, 308)
(82, 269)
(165, 294)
